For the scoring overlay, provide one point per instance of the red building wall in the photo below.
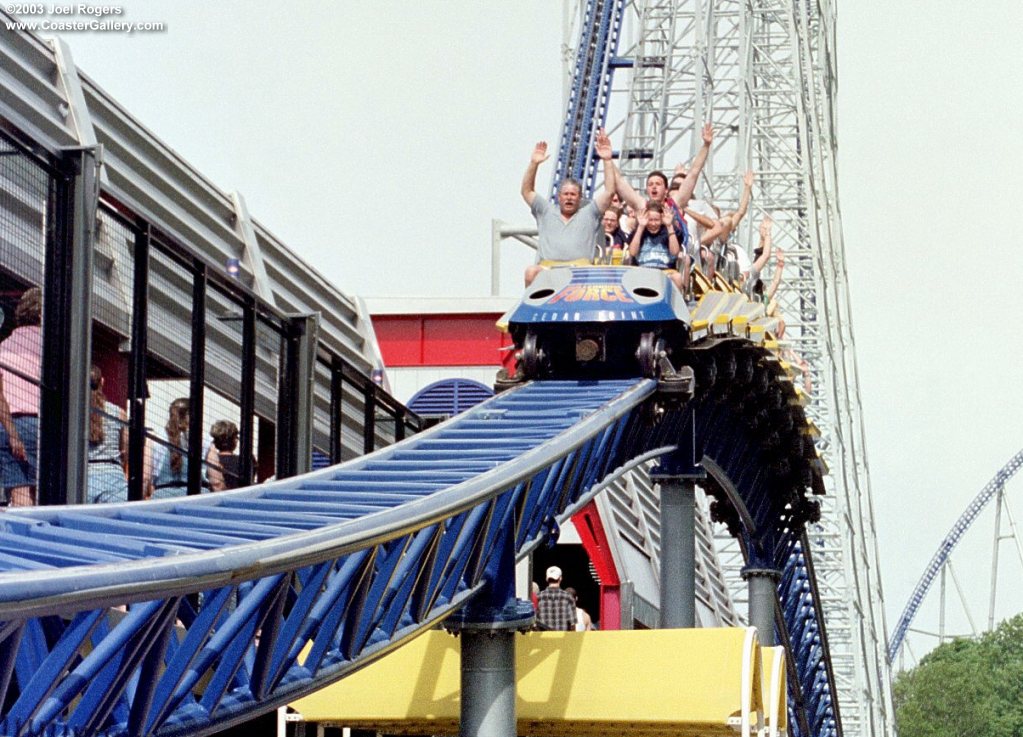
(442, 340)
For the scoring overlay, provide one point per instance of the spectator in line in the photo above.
(20, 357)
(568, 234)
(165, 470)
(107, 423)
(656, 244)
(223, 464)
(555, 607)
(583, 622)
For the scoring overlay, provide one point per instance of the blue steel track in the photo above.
(592, 75)
(944, 551)
(186, 616)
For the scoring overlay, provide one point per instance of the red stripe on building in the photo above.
(594, 539)
(442, 340)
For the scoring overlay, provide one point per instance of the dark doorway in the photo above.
(574, 563)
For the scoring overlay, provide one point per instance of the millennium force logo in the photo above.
(592, 293)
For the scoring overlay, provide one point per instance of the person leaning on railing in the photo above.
(107, 430)
(165, 469)
(21, 355)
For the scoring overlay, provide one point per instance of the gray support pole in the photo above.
(678, 553)
(295, 405)
(67, 330)
(488, 683)
(487, 627)
(304, 393)
(763, 598)
(627, 602)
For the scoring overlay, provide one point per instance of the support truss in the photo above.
(763, 72)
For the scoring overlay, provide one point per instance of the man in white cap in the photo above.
(555, 607)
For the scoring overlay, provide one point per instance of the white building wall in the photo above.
(407, 380)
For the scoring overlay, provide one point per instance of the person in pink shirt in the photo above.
(20, 357)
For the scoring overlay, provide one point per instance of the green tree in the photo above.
(966, 688)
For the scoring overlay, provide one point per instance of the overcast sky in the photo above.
(379, 139)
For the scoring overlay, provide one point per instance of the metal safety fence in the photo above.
(25, 189)
(194, 379)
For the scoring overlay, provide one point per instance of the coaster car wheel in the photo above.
(533, 358)
(649, 350)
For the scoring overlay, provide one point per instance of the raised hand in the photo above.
(779, 258)
(765, 226)
(708, 134)
(680, 169)
(747, 179)
(602, 145)
(540, 154)
(641, 219)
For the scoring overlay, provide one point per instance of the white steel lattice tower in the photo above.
(764, 73)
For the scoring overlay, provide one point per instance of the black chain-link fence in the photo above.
(25, 186)
(188, 365)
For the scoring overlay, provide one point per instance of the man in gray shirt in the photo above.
(569, 233)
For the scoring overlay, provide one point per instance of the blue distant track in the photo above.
(592, 76)
(941, 555)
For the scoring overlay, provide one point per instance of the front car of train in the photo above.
(597, 322)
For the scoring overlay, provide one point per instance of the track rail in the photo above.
(186, 616)
(941, 555)
(238, 602)
(591, 86)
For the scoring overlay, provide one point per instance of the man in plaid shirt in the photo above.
(555, 607)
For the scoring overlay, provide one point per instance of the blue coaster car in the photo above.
(597, 321)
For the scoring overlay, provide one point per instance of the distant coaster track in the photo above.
(586, 110)
(941, 555)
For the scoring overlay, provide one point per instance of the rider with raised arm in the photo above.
(657, 182)
(717, 231)
(675, 200)
(655, 244)
(569, 233)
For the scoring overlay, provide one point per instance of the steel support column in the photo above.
(246, 446)
(488, 683)
(487, 627)
(337, 407)
(137, 391)
(369, 418)
(763, 600)
(197, 380)
(678, 552)
(295, 406)
(67, 327)
(675, 476)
